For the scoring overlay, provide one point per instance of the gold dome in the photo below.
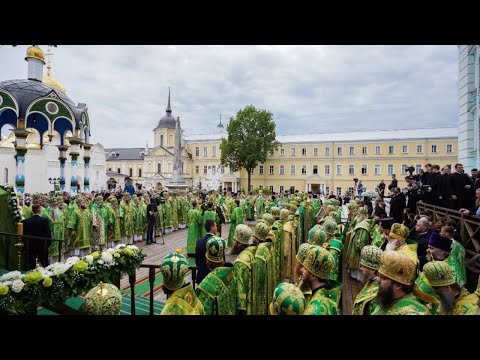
(36, 53)
(54, 83)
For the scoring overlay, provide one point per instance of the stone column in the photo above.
(20, 149)
(63, 158)
(75, 141)
(86, 159)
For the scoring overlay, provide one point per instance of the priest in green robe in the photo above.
(365, 301)
(79, 224)
(114, 233)
(194, 228)
(56, 221)
(236, 218)
(100, 219)
(217, 291)
(181, 298)
(128, 221)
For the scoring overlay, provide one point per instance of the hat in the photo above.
(370, 257)
(438, 273)
(292, 208)
(335, 245)
(98, 198)
(440, 242)
(284, 214)
(36, 197)
(318, 237)
(243, 233)
(174, 266)
(287, 300)
(335, 215)
(387, 222)
(303, 251)
(52, 200)
(398, 267)
(330, 226)
(399, 232)
(215, 249)
(352, 206)
(275, 211)
(329, 208)
(319, 262)
(261, 231)
(269, 218)
(362, 211)
(126, 195)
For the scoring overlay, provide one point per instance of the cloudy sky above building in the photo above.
(307, 88)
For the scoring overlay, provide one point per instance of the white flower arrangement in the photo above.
(17, 285)
(133, 247)
(21, 293)
(119, 247)
(111, 251)
(12, 275)
(13, 203)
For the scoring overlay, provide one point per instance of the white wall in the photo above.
(42, 164)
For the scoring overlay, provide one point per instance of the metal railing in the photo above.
(22, 245)
(468, 227)
(132, 279)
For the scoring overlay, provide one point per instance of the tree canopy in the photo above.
(251, 136)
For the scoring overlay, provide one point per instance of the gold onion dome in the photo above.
(54, 83)
(36, 53)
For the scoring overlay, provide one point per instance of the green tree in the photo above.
(251, 136)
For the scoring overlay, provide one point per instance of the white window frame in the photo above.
(379, 167)
(421, 149)
(293, 151)
(304, 169)
(350, 167)
(315, 151)
(304, 151)
(339, 167)
(391, 147)
(436, 148)
(403, 149)
(281, 170)
(326, 169)
(271, 170)
(205, 169)
(340, 150)
(451, 148)
(314, 167)
(366, 169)
(327, 151)
(261, 169)
(197, 151)
(390, 166)
(378, 150)
(327, 190)
(338, 190)
(293, 170)
(404, 170)
(214, 151)
(351, 150)
(281, 189)
(418, 167)
(364, 150)
(271, 188)
(282, 152)
(205, 151)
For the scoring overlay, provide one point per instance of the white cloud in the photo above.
(307, 88)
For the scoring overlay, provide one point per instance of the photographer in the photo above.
(151, 218)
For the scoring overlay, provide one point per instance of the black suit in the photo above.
(393, 184)
(37, 226)
(457, 184)
(200, 258)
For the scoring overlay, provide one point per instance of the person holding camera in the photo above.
(151, 218)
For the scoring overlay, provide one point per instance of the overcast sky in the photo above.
(307, 88)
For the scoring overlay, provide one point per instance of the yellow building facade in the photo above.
(325, 163)
(322, 163)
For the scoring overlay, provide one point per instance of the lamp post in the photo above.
(56, 184)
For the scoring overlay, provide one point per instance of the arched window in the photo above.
(159, 166)
(171, 140)
(6, 175)
(161, 140)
